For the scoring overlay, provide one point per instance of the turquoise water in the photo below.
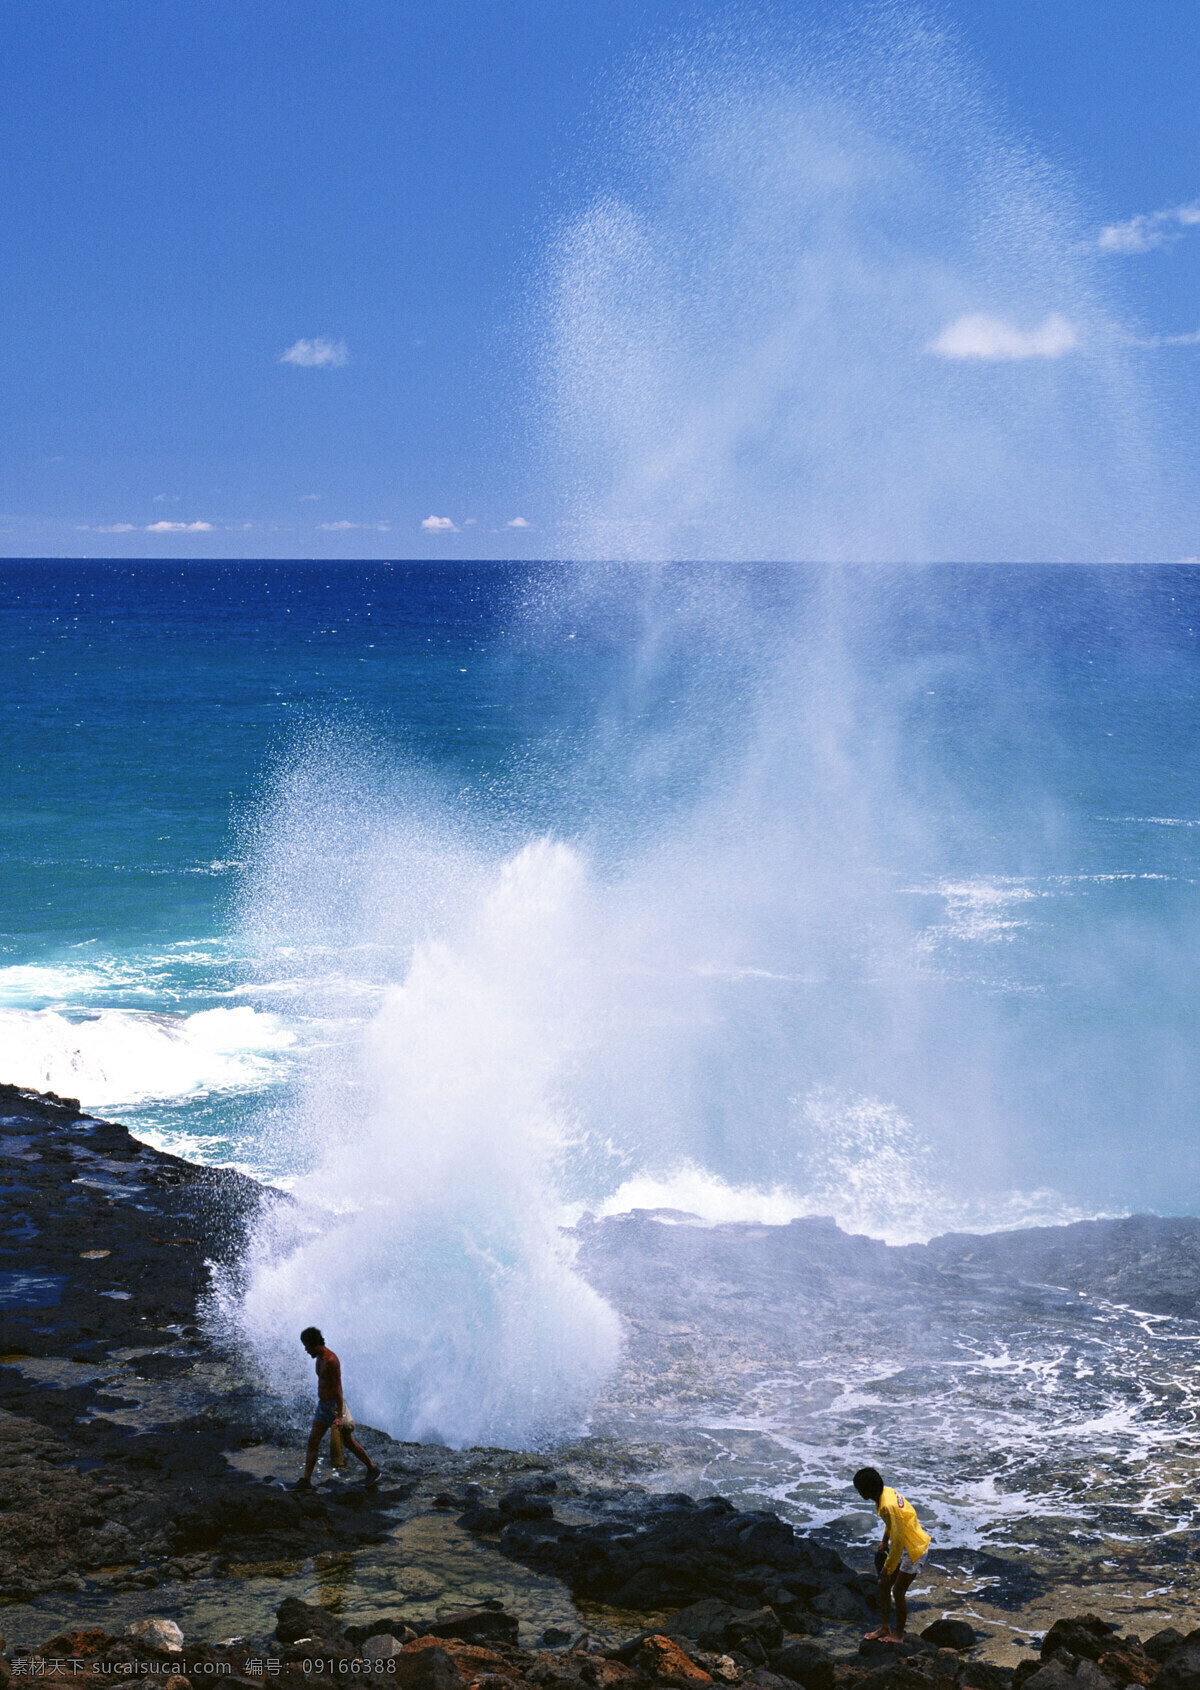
(927, 840)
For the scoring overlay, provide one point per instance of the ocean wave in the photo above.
(689, 1194)
(862, 1163)
(124, 1057)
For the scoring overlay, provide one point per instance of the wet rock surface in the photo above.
(670, 1551)
(141, 1477)
(104, 1246)
(310, 1644)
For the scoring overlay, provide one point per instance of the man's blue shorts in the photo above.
(327, 1413)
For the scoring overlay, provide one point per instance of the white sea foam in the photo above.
(120, 1057)
(427, 1236)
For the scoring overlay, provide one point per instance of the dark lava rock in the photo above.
(1181, 1669)
(385, 1625)
(951, 1634)
(476, 1625)
(1086, 1636)
(982, 1675)
(426, 1669)
(874, 1649)
(296, 1619)
(1164, 1643)
(1025, 1669)
(658, 1553)
(804, 1663)
(1051, 1675)
(483, 1520)
(760, 1625)
(522, 1504)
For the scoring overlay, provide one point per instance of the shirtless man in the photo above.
(330, 1408)
(899, 1557)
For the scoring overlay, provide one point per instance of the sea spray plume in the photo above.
(742, 329)
(803, 918)
(427, 1237)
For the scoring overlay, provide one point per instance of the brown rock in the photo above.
(605, 1674)
(1127, 1664)
(77, 1645)
(665, 1663)
(425, 1665)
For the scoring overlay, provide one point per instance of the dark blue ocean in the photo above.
(467, 899)
(927, 839)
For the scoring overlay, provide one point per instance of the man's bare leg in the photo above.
(903, 1580)
(355, 1448)
(883, 1631)
(310, 1456)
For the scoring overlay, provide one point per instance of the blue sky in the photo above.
(192, 190)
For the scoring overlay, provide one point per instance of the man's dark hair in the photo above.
(313, 1335)
(868, 1482)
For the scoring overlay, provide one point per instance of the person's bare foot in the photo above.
(892, 1637)
(876, 1636)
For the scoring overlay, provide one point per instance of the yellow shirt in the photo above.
(904, 1529)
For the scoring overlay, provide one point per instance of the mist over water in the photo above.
(822, 306)
(819, 906)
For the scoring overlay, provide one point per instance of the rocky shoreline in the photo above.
(709, 1644)
(142, 1479)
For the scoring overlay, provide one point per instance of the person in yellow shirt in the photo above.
(905, 1545)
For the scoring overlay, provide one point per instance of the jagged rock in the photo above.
(1053, 1675)
(1181, 1669)
(806, 1664)
(381, 1626)
(1084, 1635)
(664, 1662)
(77, 1645)
(476, 1625)
(426, 1664)
(760, 1624)
(982, 1675)
(1164, 1643)
(1128, 1663)
(521, 1504)
(661, 1554)
(296, 1620)
(838, 1602)
(951, 1634)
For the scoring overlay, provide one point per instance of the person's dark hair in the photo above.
(313, 1335)
(869, 1483)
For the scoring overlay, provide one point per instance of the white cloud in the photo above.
(179, 528)
(107, 528)
(312, 354)
(517, 522)
(331, 527)
(992, 339)
(1150, 230)
(305, 497)
(1192, 339)
(439, 525)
